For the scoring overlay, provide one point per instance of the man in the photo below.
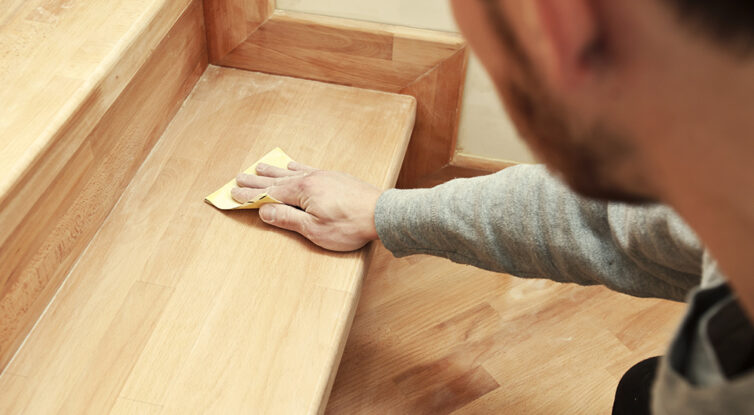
(628, 102)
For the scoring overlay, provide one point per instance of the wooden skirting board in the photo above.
(463, 166)
(230, 22)
(483, 164)
(428, 65)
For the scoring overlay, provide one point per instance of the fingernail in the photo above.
(241, 176)
(261, 167)
(268, 214)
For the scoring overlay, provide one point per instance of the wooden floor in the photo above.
(434, 337)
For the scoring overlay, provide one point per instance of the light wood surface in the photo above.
(428, 65)
(343, 51)
(112, 110)
(439, 93)
(469, 161)
(434, 337)
(229, 22)
(63, 64)
(177, 307)
(446, 173)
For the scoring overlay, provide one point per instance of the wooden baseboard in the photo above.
(463, 166)
(428, 65)
(95, 167)
(230, 22)
(484, 164)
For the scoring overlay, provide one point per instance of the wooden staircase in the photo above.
(121, 291)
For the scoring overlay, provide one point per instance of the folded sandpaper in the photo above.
(222, 199)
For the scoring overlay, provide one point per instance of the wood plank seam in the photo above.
(143, 402)
(432, 69)
(4, 368)
(291, 56)
(426, 156)
(367, 55)
(397, 70)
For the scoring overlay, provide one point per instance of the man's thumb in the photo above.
(286, 217)
(268, 213)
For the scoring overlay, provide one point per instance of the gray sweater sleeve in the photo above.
(527, 223)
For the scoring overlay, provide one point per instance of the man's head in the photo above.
(603, 90)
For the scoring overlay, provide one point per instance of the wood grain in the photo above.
(64, 64)
(438, 95)
(229, 22)
(446, 173)
(182, 308)
(346, 52)
(428, 65)
(74, 198)
(489, 165)
(463, 165)
(431, 336)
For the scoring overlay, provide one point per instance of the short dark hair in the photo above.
(729, 22)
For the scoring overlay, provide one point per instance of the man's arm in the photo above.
(520, 221)
(525, 222)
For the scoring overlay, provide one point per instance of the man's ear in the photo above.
(567, 33)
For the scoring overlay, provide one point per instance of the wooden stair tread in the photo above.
(63, 64)
(177, 307)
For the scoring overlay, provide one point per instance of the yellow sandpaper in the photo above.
(222, 199)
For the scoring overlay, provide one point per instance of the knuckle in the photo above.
(282, 217)
(311, 180)
(305, 231)
(285, 180)
(309, 232)
(306, 184)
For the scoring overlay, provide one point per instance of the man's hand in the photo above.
(338, 210)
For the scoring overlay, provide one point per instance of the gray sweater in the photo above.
(524, 222)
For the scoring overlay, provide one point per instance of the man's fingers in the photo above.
(288, 192)
(285, 189)
(296, 166)
(257, 182)
(244, 194)
(272, 171)
(287, 217)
